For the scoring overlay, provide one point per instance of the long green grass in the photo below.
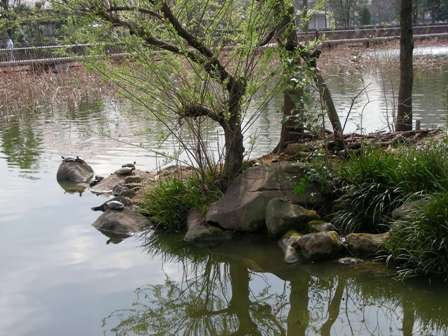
(169, 203)
(419, 243)
(377, 181)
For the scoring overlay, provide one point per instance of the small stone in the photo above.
(119, 189)
(133, 179)
(350, 261)
(321, 226)
(128, 193)
(134, 186)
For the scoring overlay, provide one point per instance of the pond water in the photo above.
(59, 276)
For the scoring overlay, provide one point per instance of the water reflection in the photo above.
(242, 290)
(22, 145)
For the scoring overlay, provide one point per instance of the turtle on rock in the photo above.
(68, 159)
(129, 165)
(125, 171)
(96, 180)
(116, 203)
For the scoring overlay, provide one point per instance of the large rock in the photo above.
(366, 244)
(319, 246)
(200, 232)
(74, 171)
(282, 216)
(114, 223)
(243, 207)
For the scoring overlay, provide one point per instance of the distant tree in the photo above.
(344, 11)
(404, 112)
(365, 16)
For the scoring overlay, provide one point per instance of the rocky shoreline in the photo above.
(261, 199)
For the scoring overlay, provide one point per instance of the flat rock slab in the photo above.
(243, 206)
(121, 223)
(106, 185)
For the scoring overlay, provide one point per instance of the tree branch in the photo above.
(197, 110)
(213, 66)
(135, 9)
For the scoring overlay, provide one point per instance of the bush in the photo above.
(419, 243)
(169, 202)
(366, 207)
(377, 181)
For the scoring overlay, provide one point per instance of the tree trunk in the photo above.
(299, 316)
(293, 109)
(240, 301)
(329, 105)
(292, 126)
(304, 15)
(404, 113)
(234, 152)
(233, 137)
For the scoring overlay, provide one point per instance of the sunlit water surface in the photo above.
(60, 277)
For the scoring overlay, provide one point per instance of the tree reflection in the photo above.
(21, 144)
(222, 292)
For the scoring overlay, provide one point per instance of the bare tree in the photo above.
(404, 112)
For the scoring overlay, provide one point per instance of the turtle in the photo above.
(96, 180)
(129, 165)
(114, 204)
(68, 159)
(124, 171)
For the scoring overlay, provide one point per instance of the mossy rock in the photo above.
(319, 246)
(366, 244)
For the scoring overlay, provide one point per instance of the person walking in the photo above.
(10, 47)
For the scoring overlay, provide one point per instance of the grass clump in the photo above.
(377, 181)
(169, 203)
(419, 243)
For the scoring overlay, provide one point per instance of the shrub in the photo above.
(168, 203)
(366, 207)
(318, 180)
(378, 181)
(419, 243)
